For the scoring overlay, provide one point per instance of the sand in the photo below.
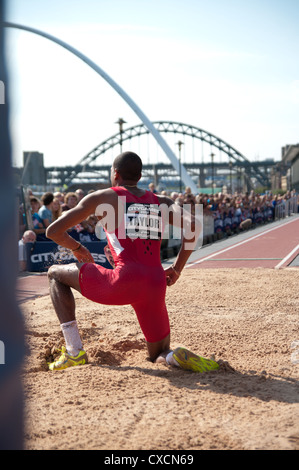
(121, 401)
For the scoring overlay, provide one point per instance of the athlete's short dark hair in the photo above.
(129, 166)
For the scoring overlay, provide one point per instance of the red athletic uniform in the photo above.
(138, 278)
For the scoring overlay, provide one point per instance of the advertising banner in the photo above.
(41, 255)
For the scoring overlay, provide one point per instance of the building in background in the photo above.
(290, 157)
(33, 169)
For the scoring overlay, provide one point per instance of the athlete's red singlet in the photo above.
(138, 278)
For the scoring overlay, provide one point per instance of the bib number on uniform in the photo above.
(143, 221)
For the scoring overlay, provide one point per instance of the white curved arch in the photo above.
(156, 134)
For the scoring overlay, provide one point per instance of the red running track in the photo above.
(274, 248)
(32, 286)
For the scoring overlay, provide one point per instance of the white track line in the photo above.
(287, 257)
(240, 243)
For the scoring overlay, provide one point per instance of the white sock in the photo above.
(72, 337)
(171, 360)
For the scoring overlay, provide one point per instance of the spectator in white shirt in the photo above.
(28, 237)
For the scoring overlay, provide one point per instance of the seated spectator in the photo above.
(187, 190)
(56, 209)
(202, 199)
(45, 212)
(190, 199)
(218, 223)
(212, 204)
(70, 201)
(87, 230)
(152, 188)
(90, 223)
(58, 195)
(28, 237)
(174, 195)
(179, 201)
(227, 222)
(246, 217)
(235, 219)
(80, 194)
(38, 225)
(268, 212)
(257, 215)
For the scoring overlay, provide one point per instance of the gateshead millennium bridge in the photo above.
(95, 166)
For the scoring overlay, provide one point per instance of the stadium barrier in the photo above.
(171, 242)
(41, 255)
(208, 225)
(286, 208)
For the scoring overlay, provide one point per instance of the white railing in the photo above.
(208, 225)
(286, 207)
(173, 234)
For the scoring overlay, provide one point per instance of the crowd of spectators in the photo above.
(235, 212)
(50, 206)
(45, 210)
(230, 213)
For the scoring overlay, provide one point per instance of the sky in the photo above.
(225, 66)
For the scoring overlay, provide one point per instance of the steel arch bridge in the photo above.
(87, 163)
(68, 174)
(157, 136)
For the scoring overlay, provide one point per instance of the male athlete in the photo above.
(132, 219)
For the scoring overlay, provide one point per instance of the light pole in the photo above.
(212, 158)
(180, 143)
(120, 122)
(231, 176)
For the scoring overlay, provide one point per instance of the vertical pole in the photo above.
(212, 158)
(180, 143)
(11, 324)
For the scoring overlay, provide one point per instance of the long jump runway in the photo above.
(275, 245)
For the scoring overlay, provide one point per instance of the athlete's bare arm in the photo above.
(57, 231)
(191, 229)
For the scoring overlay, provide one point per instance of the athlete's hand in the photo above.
(171, 276)
(109, 256)
(83, 255)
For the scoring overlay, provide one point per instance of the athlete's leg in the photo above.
(159, 350)
(61, 280)
(153, 319)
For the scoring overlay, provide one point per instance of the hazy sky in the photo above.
(225, 66)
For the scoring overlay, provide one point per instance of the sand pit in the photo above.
(121, 401)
